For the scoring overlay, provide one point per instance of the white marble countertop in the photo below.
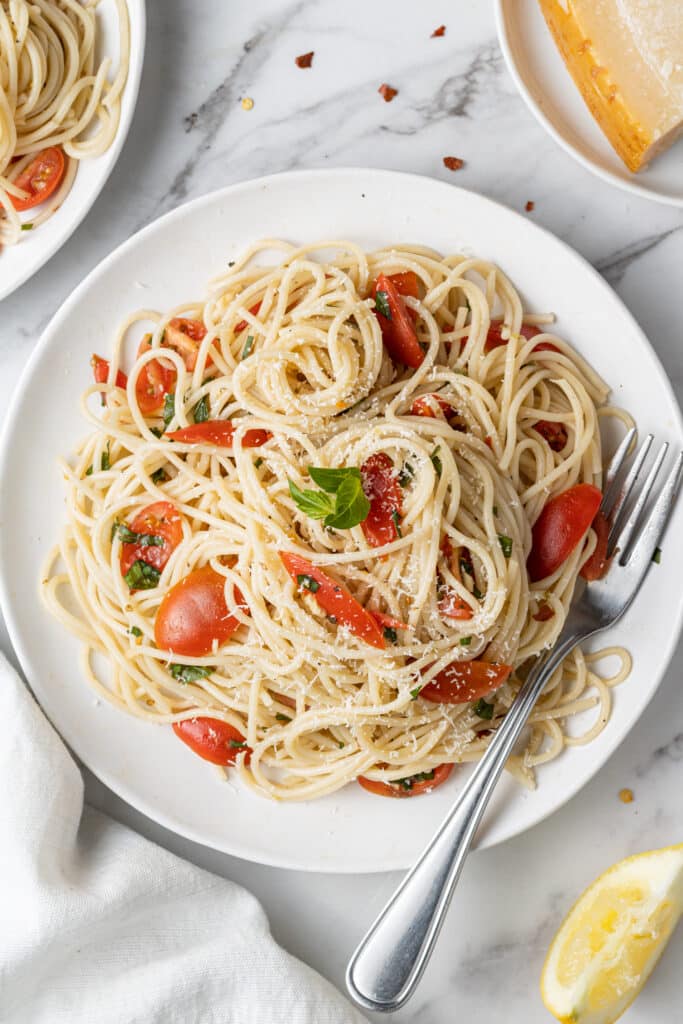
(190, 135)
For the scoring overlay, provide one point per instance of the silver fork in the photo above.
(385, 969)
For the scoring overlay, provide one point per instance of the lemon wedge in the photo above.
(611, 939)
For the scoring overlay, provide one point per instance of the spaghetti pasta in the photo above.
(57, 103)
(379, 626)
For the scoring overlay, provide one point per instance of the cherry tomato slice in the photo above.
(398, 332)
(554, 433)
(598, 563)
(560, 527)
(160, 519)
(220, 433)
(155, 381)
(384, 492)
(388, 621)
(242, 325)
(212, 739)
(433, 406)
(465, 681)
(334, 599)
(100, 369)
(494, 337)
(194, 613)
(40, 178)
(185, 336)
(413, 785)
(451, 604)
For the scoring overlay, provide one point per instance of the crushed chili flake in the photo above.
(453, 163)
(440, 31)
(305, 60)
(387, 92)
(626, 796)
(530, 204)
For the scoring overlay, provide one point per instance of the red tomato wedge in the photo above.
(155, 381)
(242, 325)
(161, 519)
(433, 406)
(219, 433)
(334, 599)
(451, 604)
(388, 622)
(212, 739)
(398, 332)
(384, 492)
(100, 369)
(412, 785)
(554, 433)
(40, 178)
(406, 283)
(494, 338)
(560, 527)
(465, 681)
(185, 336)
(194, 613)
(597, 565)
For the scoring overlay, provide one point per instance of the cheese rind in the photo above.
(626, 57)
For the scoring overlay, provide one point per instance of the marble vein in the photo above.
(614, 267)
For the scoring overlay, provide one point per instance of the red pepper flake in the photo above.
(440, 31)
(305, 60)
(529, 205)
(453, 163)
(387, 92)
(544, 612)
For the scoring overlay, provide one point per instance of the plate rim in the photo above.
(120, 787)
(132, 90)
(625, 184)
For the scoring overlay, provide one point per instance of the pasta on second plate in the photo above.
(330, 515)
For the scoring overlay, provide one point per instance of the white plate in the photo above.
(19, 262)
(170, 262)
(550, 93)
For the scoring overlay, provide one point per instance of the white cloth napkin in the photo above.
(100, 926)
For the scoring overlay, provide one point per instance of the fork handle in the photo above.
(389, 962)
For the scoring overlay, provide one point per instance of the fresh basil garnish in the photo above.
(341, 503)
(190, 673)
(307, 582)
(248, 345)
(410, 780)
(382, 304)
(436, 461)
(128, 536)
(201, 410)
(483, 709)
(169, 407)
(142, 576)
(506, 544)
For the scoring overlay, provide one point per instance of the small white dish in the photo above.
(170, 262)
(19, 262)
(549, 91)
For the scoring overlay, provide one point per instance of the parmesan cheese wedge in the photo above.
(626, 57)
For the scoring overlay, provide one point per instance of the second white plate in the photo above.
(550, 93)
(170, 262)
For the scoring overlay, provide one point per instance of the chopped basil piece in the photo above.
(483, 709)
(191, 673)
(142, 576)
(201, 410)
(414, 694)
(156, 431)
(314, 504)
(27, 227)
(248, 345)
(396, 520)
(476, 592)
(390, 634)
(159, 476)
(307, 582)
(436, 461)
(135, 631)
(410, 780)
(88, 471)
(258, 463)
(506, 544)
(128, 536)
(340, 744)
(657, 557)
(465, 641)
(282, 718)
(495, 510)
(169, 407)
(424, 346)
(382, 304)
(406, 474)
(237, 744)
(105, 461)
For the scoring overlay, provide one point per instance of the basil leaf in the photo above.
(314, 504)
(351, 505)
(330, 480)
(156, 431)
(506, 544)
(142, 576)
(248, 345)
(414, 694)
(396, 520)
(191, 673)
(465, 641)
(382, 304)
(390, 634)
(237, 744)
(282, 718)
(105, 462)
(88, 471)
(128, 536)
(307, 582)
(159, 476)
(27, 227)
(436, 461)
(201, 410)
(406, 474)
(258, 463)
(169, 407)
(483, 709)
(135, 630)
(410, 780)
